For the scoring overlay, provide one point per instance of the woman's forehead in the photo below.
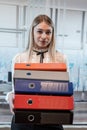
(44, 26)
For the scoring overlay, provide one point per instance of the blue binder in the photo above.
(28, 86)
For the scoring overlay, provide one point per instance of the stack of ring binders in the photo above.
(43, 94)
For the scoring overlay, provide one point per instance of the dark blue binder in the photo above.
(27, 86)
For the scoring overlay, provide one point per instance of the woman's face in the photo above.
(42, 35)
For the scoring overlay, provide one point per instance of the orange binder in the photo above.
(41, 66)
(42, 102)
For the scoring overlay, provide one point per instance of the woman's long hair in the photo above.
(35, 22)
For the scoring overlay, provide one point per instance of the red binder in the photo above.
(43, 102)
(41, 66)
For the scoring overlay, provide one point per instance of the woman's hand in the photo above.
(11, 102)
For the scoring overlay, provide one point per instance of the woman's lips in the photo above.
(43, 42)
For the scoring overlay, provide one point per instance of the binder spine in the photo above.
(43, 87)
(44, 117)
(41, 66)
(42, 75)
(43, 102)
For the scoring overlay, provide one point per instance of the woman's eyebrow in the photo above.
(43, 29)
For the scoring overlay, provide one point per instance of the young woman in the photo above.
(40, 49)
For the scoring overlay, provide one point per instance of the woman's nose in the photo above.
(44, 35)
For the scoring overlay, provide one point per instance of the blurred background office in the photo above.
(70, 20)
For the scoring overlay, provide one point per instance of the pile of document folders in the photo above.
(43, 94)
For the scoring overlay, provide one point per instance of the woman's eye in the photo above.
(40, 32)
(48, 33)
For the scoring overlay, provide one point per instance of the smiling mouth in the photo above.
(43, 42)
